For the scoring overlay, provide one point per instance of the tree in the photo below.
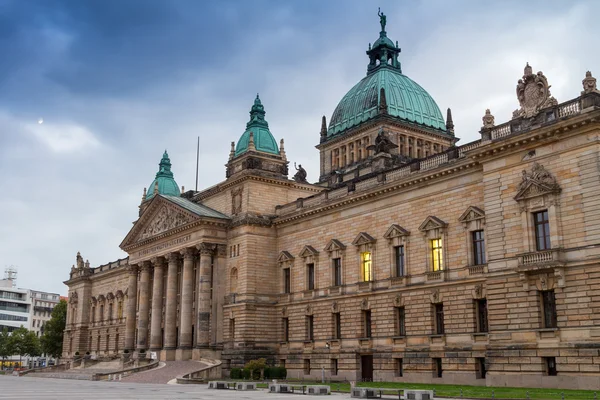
(7, 348)
(25, 342)
(52, 339)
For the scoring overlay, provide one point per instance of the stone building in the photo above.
(411, 259)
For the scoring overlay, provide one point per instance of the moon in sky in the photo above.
(41, 121)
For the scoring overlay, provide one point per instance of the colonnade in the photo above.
(149, 321)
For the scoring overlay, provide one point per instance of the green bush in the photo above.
(247, 374)
(235, 373)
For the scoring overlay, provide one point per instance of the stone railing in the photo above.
(432, 162)
(541, 259)
(210, 371)
(51, 368)
(124, 372)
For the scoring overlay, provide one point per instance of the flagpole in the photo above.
(197, 161)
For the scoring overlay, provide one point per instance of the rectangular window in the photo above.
(232, 328)
(309, 327)
(337, 272)
(437, 365)
(398, 368)
(366, 266)
(334, 366)
(478, 248)
(439, 319)
(437, 260)
(287, 281)
(482, 315)
(542, 230)
(337, 326)
(306, 367)
(399, 260)
(549, 308)
(286, 329)
(400, 321)
(550, 366)
(481, 370)
(310, 271)
(282, 363)
(367, 323)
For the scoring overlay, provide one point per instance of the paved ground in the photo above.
(24, 388)
(164, 373)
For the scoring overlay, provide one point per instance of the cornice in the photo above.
(461, 166)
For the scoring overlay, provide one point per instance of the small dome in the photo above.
(164, 177)
(263, 139)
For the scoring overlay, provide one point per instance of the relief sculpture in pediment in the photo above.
(163, 221)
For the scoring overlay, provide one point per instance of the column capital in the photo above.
(206, 248)
(188, 253)
(146, 266)
(133, 269)
(173, 257)
(158, 262)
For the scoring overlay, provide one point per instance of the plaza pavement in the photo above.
(24, 388)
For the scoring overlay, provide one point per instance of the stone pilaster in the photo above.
(204, 291)
(157, 304)
(142, 335)
(187, 291)
(171, 304)
(131, 308)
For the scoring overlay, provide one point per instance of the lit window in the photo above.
(437, 260)
(367, 266)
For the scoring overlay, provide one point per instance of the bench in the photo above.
(299, 389)
(221, 385)
(373, 393)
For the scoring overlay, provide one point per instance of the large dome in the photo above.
(405, 99)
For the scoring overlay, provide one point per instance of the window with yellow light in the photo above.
(367, 266)
(437, 260)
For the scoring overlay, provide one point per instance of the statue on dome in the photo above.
(382, 19)
(382, 143)
(300, 176)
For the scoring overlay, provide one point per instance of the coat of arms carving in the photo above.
(236, 201)
(533, 92)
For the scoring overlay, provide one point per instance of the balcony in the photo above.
(477, 269)
(436, 275)
(541, 260)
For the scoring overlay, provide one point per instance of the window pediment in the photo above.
(535, 183)
(363, 238)
(395, 231)
(285, 256)
(472, 214)
(432, 223)
(308, 251)
(334, 245)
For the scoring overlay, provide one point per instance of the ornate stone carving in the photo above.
(589, 83)
(364, 304)
(236, 200)
(533, 93)
(300, 175)
(221, 250)
(165, 219)
(188, 253)
(335, 307)
(284, 311)
(478, 292)
(132, 269)
(206, 248)
(488, 120)
(537, 182)
(308, 310)
(398, 301)
(382, 143)
(435, 296)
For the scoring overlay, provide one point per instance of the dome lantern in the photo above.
(163, 183)
(258, 128)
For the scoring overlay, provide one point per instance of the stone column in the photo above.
(157, 304)
(131, 308)
(171, 306)
(142, 336)
(204, 294)
(187, 291)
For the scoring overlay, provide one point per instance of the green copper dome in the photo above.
(263, 139)
(404, 98)
(164, 177)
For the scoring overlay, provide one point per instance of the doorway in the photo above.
(366, 368)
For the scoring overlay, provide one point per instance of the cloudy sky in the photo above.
(117, 82)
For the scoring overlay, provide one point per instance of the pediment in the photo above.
(471, 214)
(308, 251)
(535, 189)
(536, 182)
(395, 231)
(431, 223)
(363, 238)
(160, 217)
(334, 245)
(285, 256)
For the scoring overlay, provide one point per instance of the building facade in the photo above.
(42, 304)
(15, 306)
(411, 259)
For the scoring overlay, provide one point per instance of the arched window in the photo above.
(233, 280)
